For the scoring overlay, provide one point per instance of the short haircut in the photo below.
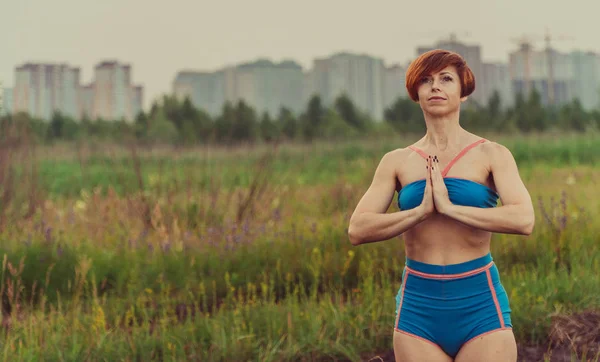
(432, 62)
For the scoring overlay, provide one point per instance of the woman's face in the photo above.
(439, 93)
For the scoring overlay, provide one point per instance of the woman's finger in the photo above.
(430, 169)
(436, 168)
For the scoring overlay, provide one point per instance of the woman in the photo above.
(451, 304)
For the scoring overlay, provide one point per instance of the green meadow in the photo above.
(241, 254)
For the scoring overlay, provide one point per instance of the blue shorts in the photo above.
(449, 305)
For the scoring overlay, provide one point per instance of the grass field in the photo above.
(207, 254)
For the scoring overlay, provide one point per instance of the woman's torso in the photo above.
(440, 239)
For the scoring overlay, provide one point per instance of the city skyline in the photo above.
(158, 41)
(267, 86)
(168, 89)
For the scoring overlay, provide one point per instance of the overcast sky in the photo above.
(159, 39)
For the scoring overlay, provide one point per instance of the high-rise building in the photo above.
(7, 101)
(550, 73)
(86, 101)
(42, 89)
(586, 74)
(394, 85)
(472, 55)
(114, 95)
(264, 85)
(137, 101)
(359, 76)
(205, 90)
(269, 86)
(308, 87)
(497, 78)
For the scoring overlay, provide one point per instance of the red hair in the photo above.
(434, 61)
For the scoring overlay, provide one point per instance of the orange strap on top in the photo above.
(419, 151)
(460, 154)
(455, 159)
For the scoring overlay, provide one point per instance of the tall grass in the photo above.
(219, 257)
(297, 165)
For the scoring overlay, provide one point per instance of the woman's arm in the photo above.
(370, 221)
(515, 216)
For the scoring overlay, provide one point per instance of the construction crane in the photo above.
(452, 36)
(442, 36)
(525, 43)
(525, 47)
(549, 57)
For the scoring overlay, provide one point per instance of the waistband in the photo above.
(452, 270)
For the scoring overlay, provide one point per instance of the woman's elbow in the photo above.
(527, 227)
(354, 234)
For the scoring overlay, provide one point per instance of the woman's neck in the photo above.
(443, 132)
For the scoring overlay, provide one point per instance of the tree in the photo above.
(287, 123)
(62, 127)
(347, 111)
(595, 115)
(245, 126)
(535, 114)
(269, 131)
(405, 115)
(173, 111)
(162, 130)
(141, 125)
(312, 120)
(203, 125)
(55, 131)
(574, 117)
(196, 124)
(530, 115)
(224, 123)
(494, 109)
(334, 127)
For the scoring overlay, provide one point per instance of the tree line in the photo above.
(177, 122)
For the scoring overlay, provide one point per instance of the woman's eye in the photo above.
(448, 79)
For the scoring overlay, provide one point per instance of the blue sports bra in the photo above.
(460, 191)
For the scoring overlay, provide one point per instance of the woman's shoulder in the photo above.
(397, 155)
(492, 147)
(397, 162)
(496, 152)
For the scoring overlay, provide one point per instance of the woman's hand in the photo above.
(427, 206)
(441, 199)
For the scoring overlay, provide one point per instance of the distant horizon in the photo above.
(305, 68)
(159, 40)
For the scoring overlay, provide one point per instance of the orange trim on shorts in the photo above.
(493, 290)
(419, 338)
(486, 333)
(401, 298)
(452, 276)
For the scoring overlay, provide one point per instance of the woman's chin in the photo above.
(439, 111)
